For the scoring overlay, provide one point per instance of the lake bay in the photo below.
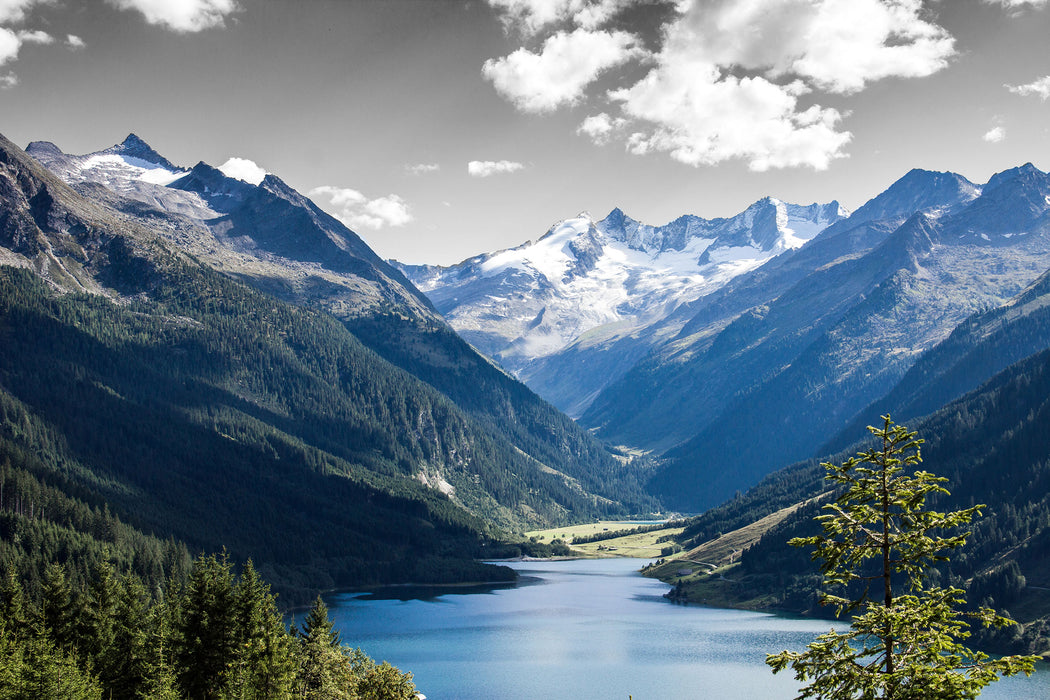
(583, 629)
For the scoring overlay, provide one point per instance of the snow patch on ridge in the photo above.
(111, 169)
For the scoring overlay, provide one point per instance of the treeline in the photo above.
(216, 635)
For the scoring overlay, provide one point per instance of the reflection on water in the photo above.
(583, 629)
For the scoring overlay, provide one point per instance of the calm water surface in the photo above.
(584, 629)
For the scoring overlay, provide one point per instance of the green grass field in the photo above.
(641, 545)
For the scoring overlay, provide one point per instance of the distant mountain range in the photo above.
(571, 312)
(731, 348)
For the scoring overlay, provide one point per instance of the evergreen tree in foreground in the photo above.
(905, 643)
(218, 637)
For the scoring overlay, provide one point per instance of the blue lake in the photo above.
(584, 629)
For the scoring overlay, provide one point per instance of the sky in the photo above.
(440, 129)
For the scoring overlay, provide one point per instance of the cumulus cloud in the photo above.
(1039, 88)
(358, 211)
(601, 127)
(835, 45)
(488, 168)
(701, 117)
(243, 169)
(557, 75)
(532, 16)
(995, 134)
(8, 81)
(74, 42)
(11, 43)
(728, 80)
(423, 168)
(181, 15)
(15, 11)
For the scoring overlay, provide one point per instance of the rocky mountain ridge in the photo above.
(586, 284)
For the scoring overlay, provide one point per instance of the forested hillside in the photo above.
(272, 238)
(991, 445)
(143, 384)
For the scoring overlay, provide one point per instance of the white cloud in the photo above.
(835, 45)
(995, 134)
(701, 117)
(36, 37)
(532, 16)
(488, 168)
(1039, 88)
(423, 168)
(181, 15)
(358, 211)
(9, 45)
(14, 11)
(558, 75)
(730, 76)
(601, 127)
(74, 42)
(243, 169)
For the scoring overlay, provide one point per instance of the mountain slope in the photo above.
(829, 328)
(991, 446)
(202, 409)
(272, 238)
(980, 347)
(265, 233)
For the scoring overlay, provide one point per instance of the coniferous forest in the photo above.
(991, 446)
(206, 633)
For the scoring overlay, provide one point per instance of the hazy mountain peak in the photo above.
(918, 190)
(1026, 172)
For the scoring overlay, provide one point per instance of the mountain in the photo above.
(777, 361)
(574, 310)
(990, 444)
(178, 390)
(980, 347)
(264, 233)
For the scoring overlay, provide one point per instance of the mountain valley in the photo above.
(219, 363)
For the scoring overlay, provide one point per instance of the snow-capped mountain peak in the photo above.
(135, 147)
(587, 278)
(120, 167)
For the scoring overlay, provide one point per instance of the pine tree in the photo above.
(905, 643)
(206, 636)
(264, 667)
(325, 670)
(127, 660)
(13, 614)
(96, 628)
(57, 616)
